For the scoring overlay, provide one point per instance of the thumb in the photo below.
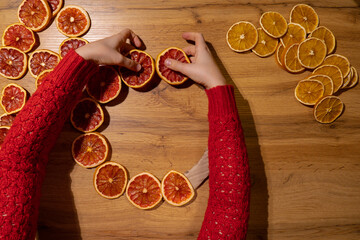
(184, 68)
(129, 64)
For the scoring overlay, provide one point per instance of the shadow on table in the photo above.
(258, 222)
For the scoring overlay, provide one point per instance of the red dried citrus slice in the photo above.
(39, 80)
(7, 119)
(3, 132)
(13, 63)
(141, 78)
(19, 36)
(55, 6)
(165, 73)
(87, 115)
(41, 60)
(35, 14)
(13, 98)
(73, 21)
(71, 43)
(90, 150)
(144, 191)
(105, 85)
(176, 188)
(110, 180)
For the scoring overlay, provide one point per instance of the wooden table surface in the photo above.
(305, 175)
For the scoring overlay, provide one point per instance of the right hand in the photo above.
(203, 68)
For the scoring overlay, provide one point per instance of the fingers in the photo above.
(129, 34)
(196, 37)
(184, 68)
(190, 50)
(129, 64)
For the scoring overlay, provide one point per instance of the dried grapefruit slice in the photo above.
(339, 61)
(328, 109)
(90, 150)
(333, 72)
(3, 132)
(311, 52)
(291, 61)
(266, 45)
(71, 43)
(7, 119)
(13, 98)
(13, 62)
(308, 92)
(326, 35)
(73, 21)
(279, 53)
(55, 6)
(19, 36)
(110, 180)
(326, 81)
(176, 188)
(39, 80)
(141, 78)
(104, 85)
(41, 60)
(242, 36)
(295, 34)
(144, 191)
(354, 78)
(273, 24)
(35, 14)
(87, 115)
(305, 16)
(165, 73)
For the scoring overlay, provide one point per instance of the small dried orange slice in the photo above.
(266, 45)
(87, 115)
(39, 80)
(295, 34)
(73, 21)
(110, 180)
(176, 188)
(3, 132)
(71, 43)
(19, 36)
(326, 35)
(144, 191)
(41, 60)
(308, 92)
(90, 150)
(273, 24)
(13, 62)
(305, 16)
(340, 61)
(328, 109)
(354, 78)
(326, 81)
(35, 14)
(291, 61)
(7, 119)
(13, 98)
(333, 72)
(242, 36)
(311, 52)
(55, 6)
(279, 53)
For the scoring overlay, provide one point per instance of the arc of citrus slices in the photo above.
(242, 36)
(19, 36)
(39, 80)
(13, 98)
(311, 52)
(7, 119)
(354, 78)
(41, 60)
(266, 45)
(290, 59)
(326, 81)
(73, 21)
(340, 61)
(87, 115)
(35, 14)
(71, 43)
(279, 53)
(327, 36)
(3, 132)
(110, 180)
(333, 72)
(305, 16)
(13, 62)
(295, 34)
(55, 6)
(328, 109)
(308, 92)
(273, 24)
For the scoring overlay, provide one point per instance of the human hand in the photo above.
(203, 68)
(112, 50)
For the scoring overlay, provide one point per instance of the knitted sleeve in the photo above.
(24, 153)
(227, 212)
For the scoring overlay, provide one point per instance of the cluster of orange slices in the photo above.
(299, 45)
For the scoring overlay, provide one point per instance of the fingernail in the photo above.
(167, 62)
(138, 67)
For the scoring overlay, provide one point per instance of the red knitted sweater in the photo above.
(24, 155)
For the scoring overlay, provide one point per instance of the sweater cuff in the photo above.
(221, 100)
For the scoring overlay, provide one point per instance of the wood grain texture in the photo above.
(305, 176)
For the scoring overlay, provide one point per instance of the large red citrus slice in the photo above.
(39, 80)
(165, 73)
(13, 62)
(87, 115)
(41, 60)
(110, 180)
(71, 43)
(7, 119)
(55, 6)
(19, 36)
(3, 132)
(176, 188)
(105, 85)
(141, 78)
(144, 191)
(13, 98)
(35, 14)
(73, 21)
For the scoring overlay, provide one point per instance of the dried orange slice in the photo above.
(39, 80)
(87, 115)
(311, 52)
(55, 6)
(90, 150)
(308, 92)
(35, 14)
(141, 78)
(73, 21)
(279, 53)
(71, 43)
(326, 35)
(165, 73)
(305, 16)
(328, 109)
(242, 36)
(273, 24)
(326, 81)
(110, 180)
(19, 36)
(295, 34)
(13, 62)
(144, 191)
(41, 60)
(3, 132)
(266, 45)
(354, 78)
(291, 61)
(104, 85)
(339, 61)
(7, 119)
(13, 98)
(333, 72)
(176, 188)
